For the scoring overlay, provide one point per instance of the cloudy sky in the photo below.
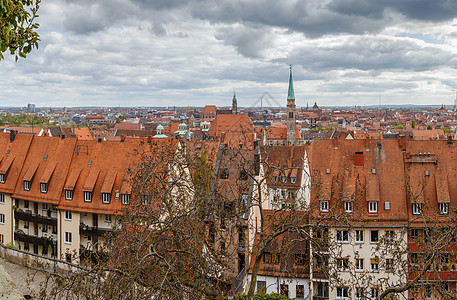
(197, 52)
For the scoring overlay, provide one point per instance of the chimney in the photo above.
(12, 135)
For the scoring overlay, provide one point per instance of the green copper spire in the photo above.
(234, 96)
(290, 94)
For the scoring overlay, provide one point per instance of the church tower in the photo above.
(291, 111)
(234, 104)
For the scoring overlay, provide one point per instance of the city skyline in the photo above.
(180, 53)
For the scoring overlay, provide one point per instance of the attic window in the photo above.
(284, 179)
(373, 171)
(293, 179)
(90, 163)
(427, 173)
(44, 188)
(45, 156)
(2, 178)
(327, 171)
(275, 178)
(387, 205)
(68, 194)
(87, 196)
(27, 185)
(125, 199)
(106, 198)
(8, 152)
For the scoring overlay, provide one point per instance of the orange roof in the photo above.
(230, 123)
(83, 133)
(46, 156)
(6, 164)
(209, 110)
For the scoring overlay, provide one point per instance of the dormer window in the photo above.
(293, 179)
(69, 194)
(284, 179)
(2, 178)
(125, 199)
(44, 188)
(145, 200)
(106, 198)
(87, 196)
(27, 185)
(275, 178)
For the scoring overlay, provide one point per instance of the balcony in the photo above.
(93, 230)
(23, 237)
(28, 216)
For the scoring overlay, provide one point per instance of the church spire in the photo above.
(291, 94)
(234, 104)
(291, 112)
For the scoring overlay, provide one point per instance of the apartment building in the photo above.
(357, 202)
(60, 195)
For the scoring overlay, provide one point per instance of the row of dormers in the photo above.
(54, 170)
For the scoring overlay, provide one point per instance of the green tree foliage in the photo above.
(399, 127)
(413, 124)
(446, 130)
(23, 119)
(429, 127)
(18, 27)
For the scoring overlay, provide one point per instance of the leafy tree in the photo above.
(413, 124)
(429, 127)
(18, 27)
(399, 127)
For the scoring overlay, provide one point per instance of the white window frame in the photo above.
(2, 219)
(68, 194)
(359, 236)
(372, 207)
(43, 188)
(293, 179)
(68, 238)
(125, 199)
(87, 196)
(417, 208)
(371, 237)
(2, 178)
(324, 205)
(359, 265)
(342, 236)
(348, 206)
(106, 198)
(374, 267)
(2, 198)
(374, 293)
(68, 215)
(107, 218)
(342, 293)
(342, 264)
(27, 185)
(443, 208)
(2, 238)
